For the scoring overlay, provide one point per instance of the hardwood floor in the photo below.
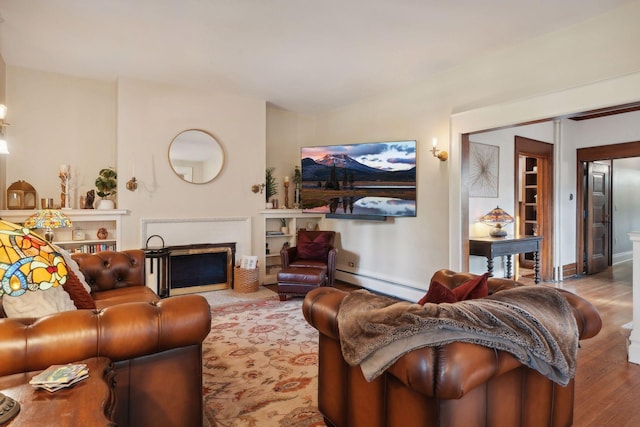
(607, 385)
(607, 389)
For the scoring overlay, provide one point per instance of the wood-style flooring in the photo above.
(607, 386)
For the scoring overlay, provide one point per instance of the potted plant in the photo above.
(270, 187)
(283, 226)
(107, 185)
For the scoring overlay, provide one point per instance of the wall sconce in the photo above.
(442, 155)
(3, 115)
(132, 184)
(255, 188)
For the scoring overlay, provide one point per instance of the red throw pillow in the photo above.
(313, 249)
(79, 295)
(471, 289)
(438, 293)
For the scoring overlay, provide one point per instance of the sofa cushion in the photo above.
(117, 296)
(471, 289)
(79, 295)
(38, 303)
(316, 249)
(72, 265)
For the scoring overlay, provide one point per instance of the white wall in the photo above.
(58, 119)
(626, 205)
(150, 115)
(402, 254)
(129, 124)
(3, 159)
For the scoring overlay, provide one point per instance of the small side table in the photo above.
(492, 247)
(90, 402)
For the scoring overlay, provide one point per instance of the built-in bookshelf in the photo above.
(87, 224)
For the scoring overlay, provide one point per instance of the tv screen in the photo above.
(369, 179)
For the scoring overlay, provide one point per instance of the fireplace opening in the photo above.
(201, 267)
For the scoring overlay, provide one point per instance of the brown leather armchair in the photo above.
(456, 384)
(292, 257)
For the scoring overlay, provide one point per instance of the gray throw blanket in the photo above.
(534, 323)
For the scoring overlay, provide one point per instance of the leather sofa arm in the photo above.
(587, 317)
(112, 270)
(119, 332)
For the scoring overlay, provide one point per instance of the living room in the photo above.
(128, 123)
(127, 120)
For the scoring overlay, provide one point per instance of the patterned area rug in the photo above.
(260, 366)
(230, 296)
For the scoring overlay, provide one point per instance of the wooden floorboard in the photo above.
(607, 390)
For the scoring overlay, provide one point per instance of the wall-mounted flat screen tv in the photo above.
(367, 179)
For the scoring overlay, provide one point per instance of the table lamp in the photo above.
(27, 263)
(497, 218)
(48, 219)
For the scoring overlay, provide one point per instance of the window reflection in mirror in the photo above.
(196, 156)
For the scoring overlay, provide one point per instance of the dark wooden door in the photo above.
(598, 217)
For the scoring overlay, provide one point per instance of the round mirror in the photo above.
(196, 156)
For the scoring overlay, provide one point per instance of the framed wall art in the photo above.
(484, 160)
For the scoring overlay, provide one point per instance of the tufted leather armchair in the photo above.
(153, 343)
(290, 257)
(457, 384)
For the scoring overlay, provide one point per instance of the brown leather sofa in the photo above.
(457, 384)
(156, 345)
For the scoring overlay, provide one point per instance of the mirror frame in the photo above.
(217, 145)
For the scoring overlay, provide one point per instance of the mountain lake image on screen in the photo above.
(370, 179)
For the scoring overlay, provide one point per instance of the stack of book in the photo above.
(57, 377)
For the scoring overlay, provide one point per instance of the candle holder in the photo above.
(286, 194)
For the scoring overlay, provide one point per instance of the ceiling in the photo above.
(301, 55)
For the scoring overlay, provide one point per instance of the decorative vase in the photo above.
(268, 205)
(104, 204)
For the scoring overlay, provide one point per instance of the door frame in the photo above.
(543, 151)
(591, 154)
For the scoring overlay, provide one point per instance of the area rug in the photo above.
(260, 366)
(230, 296)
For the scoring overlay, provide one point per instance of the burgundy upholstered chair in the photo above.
(313, 249)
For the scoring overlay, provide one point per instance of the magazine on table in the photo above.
(57, 377)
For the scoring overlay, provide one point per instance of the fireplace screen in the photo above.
(200, 269)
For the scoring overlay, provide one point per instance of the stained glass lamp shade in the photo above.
(27, 261)
(497, 218)
(48, 219)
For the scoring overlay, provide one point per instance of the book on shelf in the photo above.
(91, 248)
(274, 233)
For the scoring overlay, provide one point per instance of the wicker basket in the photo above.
(246, 280)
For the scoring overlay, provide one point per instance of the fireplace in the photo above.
(196, 254)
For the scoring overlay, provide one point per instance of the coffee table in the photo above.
(90, 402)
